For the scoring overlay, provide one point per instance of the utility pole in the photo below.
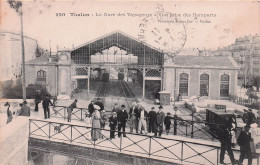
(23, 55)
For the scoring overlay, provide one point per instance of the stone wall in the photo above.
(14, 142)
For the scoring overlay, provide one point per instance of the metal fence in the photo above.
(242, 101)
(177, 150)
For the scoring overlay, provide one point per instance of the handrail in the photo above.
(166, 148)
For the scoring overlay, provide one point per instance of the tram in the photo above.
(218, 118)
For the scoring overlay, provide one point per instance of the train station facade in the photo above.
(214, 77)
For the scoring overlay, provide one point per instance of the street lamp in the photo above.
(241, 62)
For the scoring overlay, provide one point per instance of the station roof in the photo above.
(205, 62)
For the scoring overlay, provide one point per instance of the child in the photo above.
(112, 125)
(167, 122)
(88, 124)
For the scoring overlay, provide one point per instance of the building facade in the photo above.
(11, 54)
(246, 52)
(210, 76)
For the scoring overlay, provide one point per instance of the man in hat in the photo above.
(225, 141)
(152, 120)
(70, 109)
(46, 103)
(37, 99)
(142, 120)
(112, 125)
(132, 113)
(25, 110)
(122, 117)
(159, 121)
(100, 104)
(243, 141)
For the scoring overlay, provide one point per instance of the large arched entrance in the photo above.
(118, 57)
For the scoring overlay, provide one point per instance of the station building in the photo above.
(214, 77)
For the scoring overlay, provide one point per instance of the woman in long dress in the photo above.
(95, 133)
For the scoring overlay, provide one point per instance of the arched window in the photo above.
(224, 85)
(204, 85)
(41, 78)
(183, 85)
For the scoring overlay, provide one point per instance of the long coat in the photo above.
(95, 133)
(122, 116)
(160, 117)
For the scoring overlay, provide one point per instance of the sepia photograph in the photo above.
(85, 82)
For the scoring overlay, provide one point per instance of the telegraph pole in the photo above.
(23, 55)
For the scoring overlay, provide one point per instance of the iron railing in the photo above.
(242, 101)
(178, 150)
(188, 128)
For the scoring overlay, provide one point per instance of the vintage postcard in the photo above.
(129, 82)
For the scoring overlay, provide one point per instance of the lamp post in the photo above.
(241, 62)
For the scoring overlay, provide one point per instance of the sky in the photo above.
(40, 20)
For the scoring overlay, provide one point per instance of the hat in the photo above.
(245, 109)
(160, 107)
(247, 126)
(7, 104)
(133, 103)
(96, 107)
(116, 103)
(24, 102)
(168, 113)
(152, 108)
(123, 106)
(103, 111)
(250, 109)
(113, 113)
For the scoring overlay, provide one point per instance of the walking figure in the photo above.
(46, 103)
(132, 113)
(95, 133)
(70, 109)
(225, 140)
(243, 141)
(37, 100)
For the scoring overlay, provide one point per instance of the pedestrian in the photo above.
(139, 107)
(243, 141)
(152, 120)
(251, 117)
(132, 114)
(142, 120)
(115, 108)
(225, 141)
(70, 109)
(167, 122)
(122, 117)
(25, 110)
(159, 121)
(112, 125)
(95, 133)
(9, 113)
(100, 104)
(103, 119)
(91, 107)
(46, 103)
(37, 100)
(245, 117)
(88, 124)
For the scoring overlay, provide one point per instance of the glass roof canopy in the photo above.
(147, 55)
